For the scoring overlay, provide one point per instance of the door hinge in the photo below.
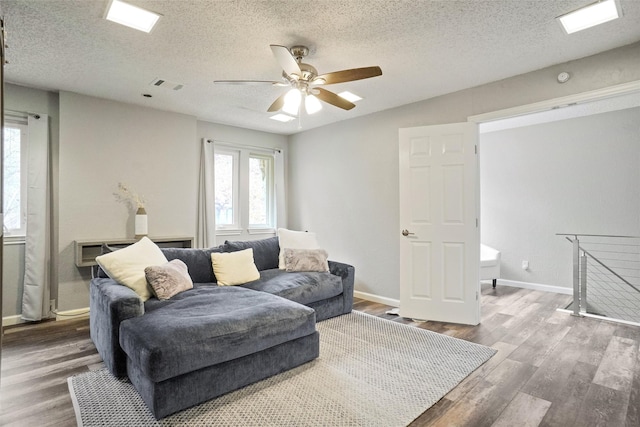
(476, 295)
(476, 148)
(476, 222)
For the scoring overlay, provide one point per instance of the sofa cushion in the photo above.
(198, 262)
(208, 325)
(234, 268)
(304, 288)
(265, 251)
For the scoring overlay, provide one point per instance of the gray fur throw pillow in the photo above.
(168, 279)
(306, 260)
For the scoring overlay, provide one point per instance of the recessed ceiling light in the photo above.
(282, 118)
(131, 16)
(589, 16)
(351, 97)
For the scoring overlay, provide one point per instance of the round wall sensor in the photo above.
(563, 77)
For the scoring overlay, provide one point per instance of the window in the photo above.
(226, 188)
(15, 179)
(260, 191)
(244, 190)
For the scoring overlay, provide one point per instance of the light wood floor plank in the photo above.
(616, 369)
(567, 399)
(603, 407)
(523, 411)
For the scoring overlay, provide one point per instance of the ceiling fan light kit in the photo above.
(312, 104)
(292, 102)
(304, 82)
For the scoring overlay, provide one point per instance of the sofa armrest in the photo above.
(347, 273)
(110, 303)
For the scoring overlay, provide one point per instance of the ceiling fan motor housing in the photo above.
(299, 52)
(308, 72)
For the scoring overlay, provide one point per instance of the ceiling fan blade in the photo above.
(333, 99)
(348, 75)
(249, 82)
(277, 104)
(286, 60)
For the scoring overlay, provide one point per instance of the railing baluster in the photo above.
(576, 277)
(583, 283)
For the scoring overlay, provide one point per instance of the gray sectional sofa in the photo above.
(211, 339)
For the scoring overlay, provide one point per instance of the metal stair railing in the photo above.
(606, 276)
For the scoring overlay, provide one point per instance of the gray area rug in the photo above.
(371, 372)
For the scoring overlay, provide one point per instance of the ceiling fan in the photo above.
(305, 81)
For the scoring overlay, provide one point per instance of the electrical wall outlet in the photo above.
(525, 264)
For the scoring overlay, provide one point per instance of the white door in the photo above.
(439, 229)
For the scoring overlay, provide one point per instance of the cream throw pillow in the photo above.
(288, 239)
(126, 266)
(234, 268)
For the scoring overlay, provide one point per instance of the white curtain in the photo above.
(36, 293)
(206, 232)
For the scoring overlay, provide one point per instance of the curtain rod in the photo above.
(22, 114)
(233, 144)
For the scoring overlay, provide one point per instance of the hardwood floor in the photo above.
(551, 369)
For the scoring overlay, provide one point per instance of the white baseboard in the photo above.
(12, 320)
(61, 315)
(376, 298)
(513, 283)
(535, 286)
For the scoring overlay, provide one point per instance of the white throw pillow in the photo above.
(288, 239)
(126, 266)
(234, 268)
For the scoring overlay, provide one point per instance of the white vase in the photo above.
(141, 223)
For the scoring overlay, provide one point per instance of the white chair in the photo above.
(489, 264)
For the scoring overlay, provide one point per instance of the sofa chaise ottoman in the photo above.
(210, 340)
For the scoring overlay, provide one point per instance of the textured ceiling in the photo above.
(425, 49)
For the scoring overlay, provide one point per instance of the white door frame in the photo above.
(564, 101)
(551, 104)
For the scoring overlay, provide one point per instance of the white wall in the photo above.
(344, 177)
(105, 142)
(579, 175)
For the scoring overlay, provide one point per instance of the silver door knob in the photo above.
(406, 233)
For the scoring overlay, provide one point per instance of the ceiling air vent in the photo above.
(166, 84)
